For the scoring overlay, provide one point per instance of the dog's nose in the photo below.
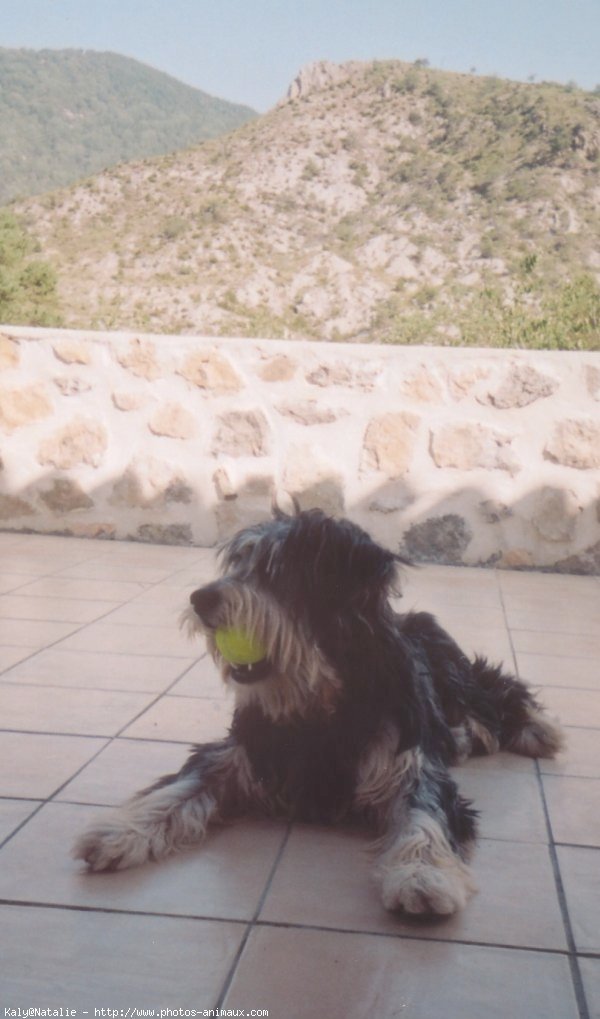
(205, 600)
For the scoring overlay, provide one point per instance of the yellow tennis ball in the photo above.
(238, 647)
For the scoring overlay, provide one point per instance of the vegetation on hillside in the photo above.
(389, 203)
(27, 284)
(65, 114)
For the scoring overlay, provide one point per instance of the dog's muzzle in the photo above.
(206, 602)
(247, 674)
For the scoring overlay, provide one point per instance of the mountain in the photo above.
(66, 114)
(379, 201)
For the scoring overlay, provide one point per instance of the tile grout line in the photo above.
(110, 738)
(578, 986)
(576, 978)
(109, 741)
(506, 624)
(47, 647)
(254, 921)
(403, 935)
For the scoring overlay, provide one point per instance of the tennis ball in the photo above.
(238, 647)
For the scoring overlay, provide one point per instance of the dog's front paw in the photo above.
(111, 845)
(422, 889)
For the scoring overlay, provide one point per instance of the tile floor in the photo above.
(100, 693)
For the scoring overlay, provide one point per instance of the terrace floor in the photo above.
(100, 693)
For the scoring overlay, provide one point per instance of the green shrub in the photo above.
(27, 286)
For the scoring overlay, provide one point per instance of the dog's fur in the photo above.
(356, 712)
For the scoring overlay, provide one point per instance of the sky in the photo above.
(248, 51)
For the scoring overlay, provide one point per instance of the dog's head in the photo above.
(300, 586)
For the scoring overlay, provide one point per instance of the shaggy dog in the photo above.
(355, 711)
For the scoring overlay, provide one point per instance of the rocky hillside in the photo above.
(379, 201)
(65, 114)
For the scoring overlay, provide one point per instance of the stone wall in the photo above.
(449, 455)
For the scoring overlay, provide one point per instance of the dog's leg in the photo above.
(422, 868)
(507, 716)
(172, 814)
(487, 708)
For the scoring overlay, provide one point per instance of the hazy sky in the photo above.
(249, 50)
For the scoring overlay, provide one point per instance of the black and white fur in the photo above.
(356, 712)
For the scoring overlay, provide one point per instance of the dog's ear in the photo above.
(279, 514)
(346, 567)
(373, 572)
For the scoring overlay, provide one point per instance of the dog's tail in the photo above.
(507, 716)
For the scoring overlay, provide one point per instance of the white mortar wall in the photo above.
(448, 454)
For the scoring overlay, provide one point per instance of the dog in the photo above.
(355, 711)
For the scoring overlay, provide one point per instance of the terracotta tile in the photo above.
(195, 576)
(324, 880)
(106, 568)
(493, 643)
(68, 610)
(163, 613)
(132, 640)
(36, 765)
(90, 670)
(12, 581)
(580, 872)
(555, 670)
(573, 707)
(34, 634)
(223, 878)
(460, 585)
(54, 709)
(574, 616)
(590, 973)
(9, 656)
(33, 560)
(184, 719)
(581, 756)
(551, 586)
(304, 973)
(574, 808)
(123, 768)
(10, 539)
(98, 590)
(170, 557)
(168, 594)
(457, 617)
(505, 791)
(202, 680)
(99, 960)
(550, 642)
(13, 813)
